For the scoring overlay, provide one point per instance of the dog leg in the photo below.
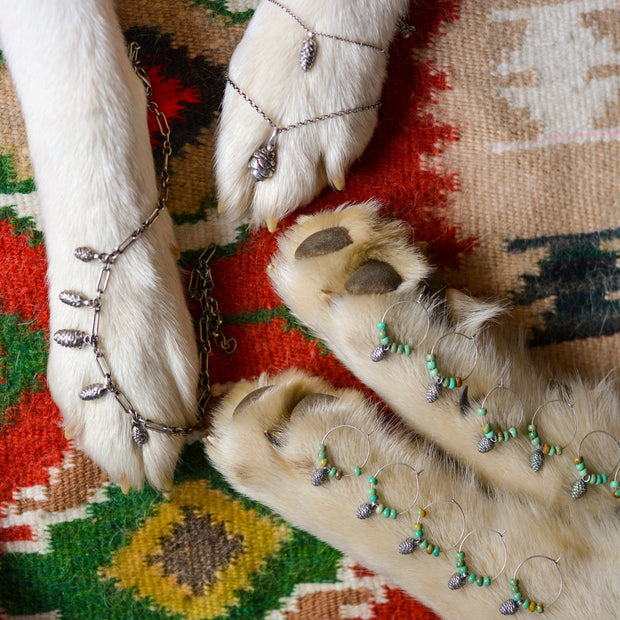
(85, 114)
(265, 66)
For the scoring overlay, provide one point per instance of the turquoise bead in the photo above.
(535, 441)
(385, 340)
(551, 450)
(424, 544)
(513, 431)
(463, 569)
(614, 484)
(418, 534)
(460, 563)
(479, 580)
(373, 498)
(472, 578)
(486, 428)
(357, 470)
(386, 512)
(372, 480)
(526, 603)
(436, 551)
(381, 325)
(431, 364)
(332, 472)
(430, 357)
(433, 372)
(459, 555)
(482, 411)
(513, 582)
(486, 581)
(394, 347)
(393, 513)
(517, 597)
(490, 434)
(580, 466)
(382, 333)
(452, 383)
(400, 349)
(603, 478)
(379, 509)
(407, 350)
(531, 428)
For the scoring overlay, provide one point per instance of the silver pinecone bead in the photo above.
(408, 545)
(507, 608)
(485, 444)
(319, 476)
(71, 298)
(307, 54)
(537, 458)
(71, 338)
(378, 353)
(578, 489)
(91, 392)
(456, 581)
(139, 434)
(85, 254)
(433, 392)
(263, 163)
(364, 511)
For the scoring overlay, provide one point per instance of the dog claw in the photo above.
(338, 182)
(124, 485)
(272, 224)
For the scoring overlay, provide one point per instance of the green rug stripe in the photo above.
(21, 225)
(220, 7)
(23, 360)
(8, 179)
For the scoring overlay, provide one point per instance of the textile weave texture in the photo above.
(498, 142)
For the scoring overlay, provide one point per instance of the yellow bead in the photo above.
(422, 512)
(323, 462)
(532, 606)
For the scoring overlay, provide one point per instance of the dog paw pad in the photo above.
(323, 242)
(373, 277)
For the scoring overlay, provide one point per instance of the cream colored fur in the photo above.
(265, 65)
(497, 489)
(85, 114)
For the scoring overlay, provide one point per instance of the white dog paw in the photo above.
(325, 116)
(344, 272)
(141, 364)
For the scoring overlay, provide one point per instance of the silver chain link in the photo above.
(314, 33)
(298, 124)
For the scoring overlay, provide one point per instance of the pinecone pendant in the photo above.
(537, 459)
(434, 390)
(507, 608)
(308, 53)
(578, 489)
(485, 444)
(262, 164)
(364, 511)
(73, 338)
(456, 581)
(409, 545)
(319, 476)
(139, 433)
(378, 353)
(93, 391)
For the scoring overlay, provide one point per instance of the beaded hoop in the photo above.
(537, 457)
(375, 506)
(409, 545)
(615, 485)
(517, 601)
(579, 487)
(464, 575)
(326, 470)
(386, 345)
(439, 381)
(490, 436)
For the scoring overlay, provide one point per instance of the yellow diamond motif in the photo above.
(197, 551)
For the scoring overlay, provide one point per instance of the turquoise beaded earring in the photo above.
(464, 574)
(386, 344)
(537, 458)
(519, 601)
(440, 381)
(326, 470)
(615, 485)
(374, 506)
(419, 540)
(580, 486)
(490, 436)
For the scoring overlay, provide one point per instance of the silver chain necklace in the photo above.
(309, 45)
(200, 288)
(263, 161)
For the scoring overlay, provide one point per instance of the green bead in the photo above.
(431, 364)
(446, 382)
(614, 484)
(385, 340)
(558, 450)
(479, 580)
(424, 544)
(486, 428)
(531, 428)
(580, 466)
(418, 534)
(452, 383)
(464, 570)
(551, 450)
(436, 551)
(583, 472)
(535, 441)
(486, 581)
(332, 472)
(382, 333)
(526, 603)
(490, 434)
(539, 608)
(433, 372)
(517, 597)
(513, 431)
(430, 357)
(379, 509)
(482, 411)
(394, 347)
(321, 447)
(357, 470)
(407, 350)
(459, 555)
(513, 582)
(393, 513)
(372, 480)
(472, 578)
(514, 589)
(381, 325)
(460, 563)
(386, 512)
(373, 498)
(400, 349)
(603, 478)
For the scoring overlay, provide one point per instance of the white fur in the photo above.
(497, 489)
(85, 114)
(265, 66)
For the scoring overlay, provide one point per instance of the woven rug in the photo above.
(498, 142)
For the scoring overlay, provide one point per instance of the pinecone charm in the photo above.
(71, 338)
(262, 164)
(139, 433)
(378, 353)
(307, 54)
(507, 608)
(578, 489)
(485, 444)
(85, 254)
(456, 581)
(71, 298)
(91, 392)
(409, 545)
(537, 458)
(319, 476)
(434, 390)
(364, 511)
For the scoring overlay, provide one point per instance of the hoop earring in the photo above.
(386, 345)
(326, 470)
(439, 381)
(510, 606)
(537, 457)
(409, 545)
(579, 487)
(463, 574)
(375, 506)
(490, 436)
(615, 485)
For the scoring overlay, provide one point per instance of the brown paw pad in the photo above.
(323, 242)
(373, 277)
